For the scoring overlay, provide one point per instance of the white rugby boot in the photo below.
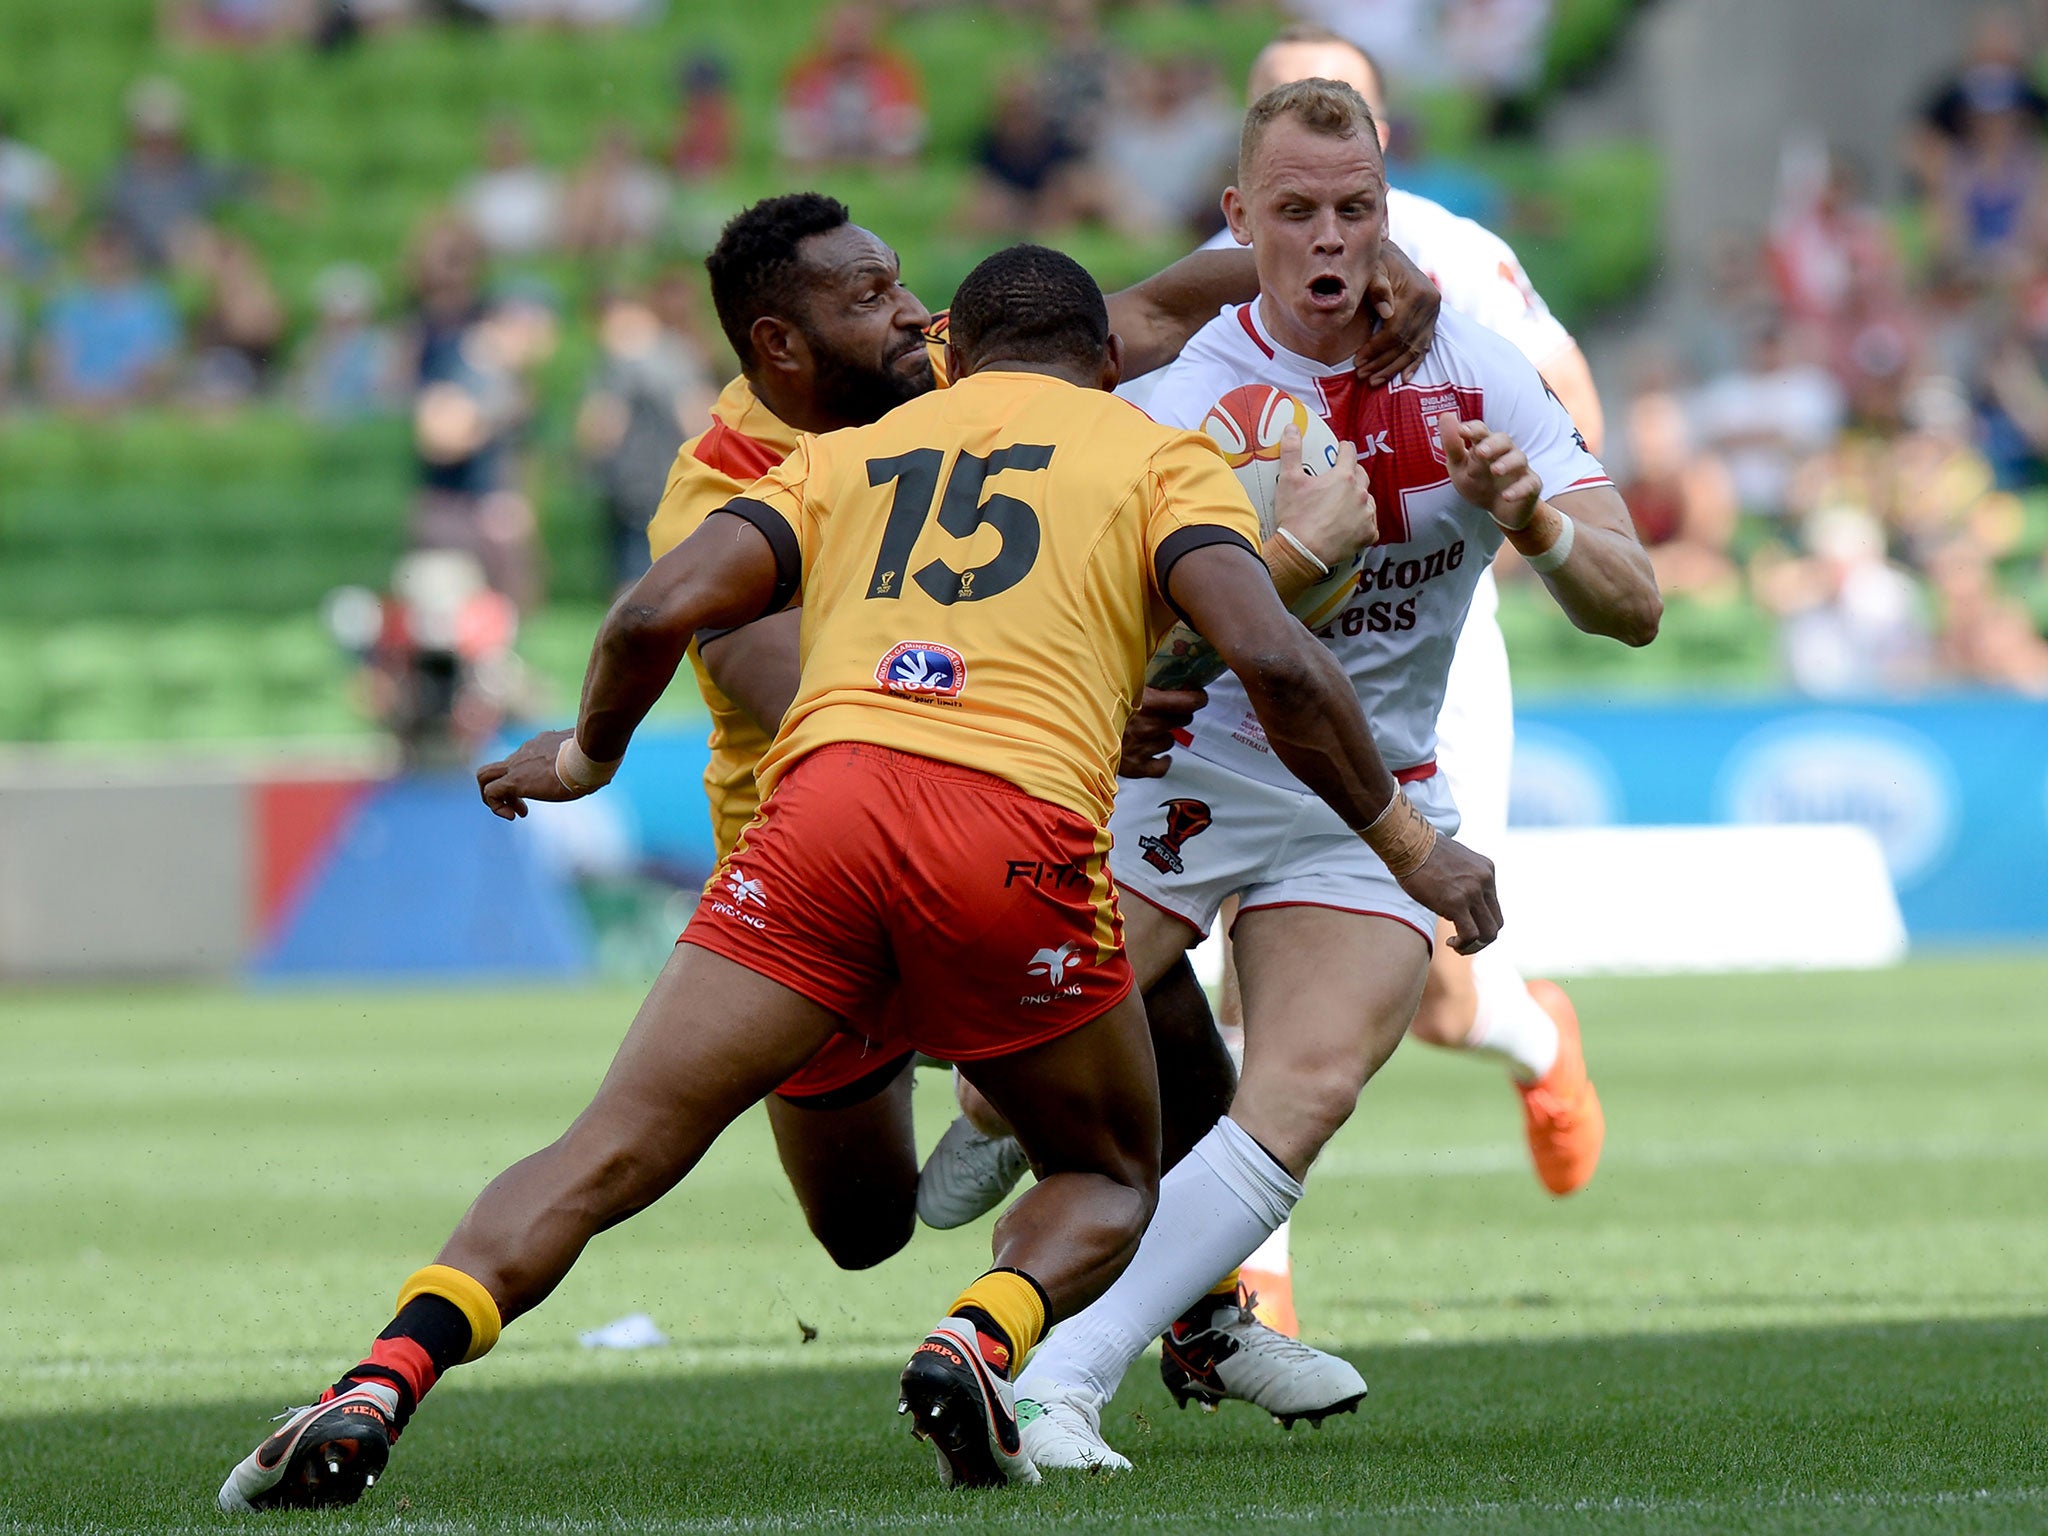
(1063, 1430)
(967, 1175)
(1229, 1353)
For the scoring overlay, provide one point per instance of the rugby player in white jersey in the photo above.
(1481, 1003)
(1469, 451)
(1478, 1004)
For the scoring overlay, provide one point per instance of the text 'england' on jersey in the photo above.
(1396, 635)
(978, 572)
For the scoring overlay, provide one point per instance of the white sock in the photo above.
(1509, 1022)
(1219, 1203)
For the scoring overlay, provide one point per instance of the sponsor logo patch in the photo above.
(923, 669)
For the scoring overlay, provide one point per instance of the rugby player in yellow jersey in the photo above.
(985, 575)
(828, 336)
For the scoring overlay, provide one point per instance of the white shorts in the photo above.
(1475, 731)
(1201, 834)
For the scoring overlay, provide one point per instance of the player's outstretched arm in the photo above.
(1156, 318)
(725, 574)
(1583, 544)
(1312, 719)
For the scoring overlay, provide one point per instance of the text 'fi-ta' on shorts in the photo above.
(932, 907)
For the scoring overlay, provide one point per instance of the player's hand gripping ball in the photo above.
(1247, 424)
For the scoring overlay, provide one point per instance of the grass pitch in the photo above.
(1807, 1293)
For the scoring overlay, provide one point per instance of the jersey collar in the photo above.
(1254, 323)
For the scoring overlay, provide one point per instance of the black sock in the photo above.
(437, 1325)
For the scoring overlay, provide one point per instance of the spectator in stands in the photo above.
(235, 23)
(1076, 76)
(653, 388)
(1682, 500)
(1763, 418)
(447, 295)
(1978, 153)
(162, 191)
(1029, 176)
(852, 102)
(1995, 67)
(32, 195)
(110, 339)
(515, 203)
(1168, 142)
(1853, 623)
(707, 119)
(1495, 48)
(350, 367)
(1826, 242)
(240, 331)
(617, 199)
(1985, 635)
(2012, 385)
(464, 428)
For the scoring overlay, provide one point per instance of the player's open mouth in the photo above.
(1326, 292)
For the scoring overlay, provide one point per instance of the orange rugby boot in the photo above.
(1560, 1110)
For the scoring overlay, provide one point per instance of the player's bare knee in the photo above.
(866, 1242)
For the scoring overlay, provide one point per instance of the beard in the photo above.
(853, 389)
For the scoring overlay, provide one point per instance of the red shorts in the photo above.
(932, 907)
(846, 1070)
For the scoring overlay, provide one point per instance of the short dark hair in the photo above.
(1030, 303)
(754, 266)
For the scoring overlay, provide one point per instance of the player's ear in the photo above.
(1113, 362)
(957, 367)
(1234, 214)
(779, 347)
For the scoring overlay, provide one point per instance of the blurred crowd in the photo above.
(1847, 431)
(1850, 427)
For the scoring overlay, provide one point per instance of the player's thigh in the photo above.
(1086, 1101)
(1154, 939)
(852, 1164)
(712, 1038)
(1184, 843)
(1327, 995)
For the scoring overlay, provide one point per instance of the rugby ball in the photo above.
(1246, 424)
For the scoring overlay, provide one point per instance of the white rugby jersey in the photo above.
(1476, 271)
(1396, 635)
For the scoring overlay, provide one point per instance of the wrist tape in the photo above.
(1400, 836)
(1294, 569)
(1560, 549)
(578, 772)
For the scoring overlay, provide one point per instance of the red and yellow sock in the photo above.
(1007, 1308)
(445, 1318)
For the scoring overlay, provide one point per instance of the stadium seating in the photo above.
(118, 538)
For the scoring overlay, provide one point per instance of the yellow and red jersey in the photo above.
(745, 441)
(983, 576)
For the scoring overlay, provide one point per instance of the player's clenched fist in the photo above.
(1457, 885)
(1489, 471)
(1332, 513)
(1148, 734)
(528, 774)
